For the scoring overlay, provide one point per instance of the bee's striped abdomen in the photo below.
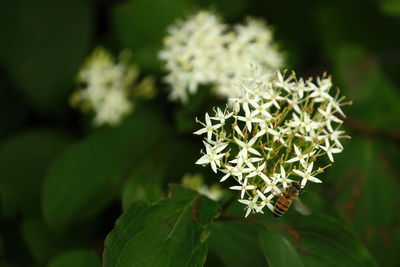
(281, 206)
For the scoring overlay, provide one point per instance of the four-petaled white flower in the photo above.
(251, 204)
(307, 175)
(259, 172)
(229, 171)
(249, 119)
(212, 156)
(320, 92)
(330, 149)
(265, 201)
(244, 187)
(329, 117)
(300, 157)
(335, 136)
(208, 128)
(283, 178)
(247, 147)
(222, 116)
(272, 186)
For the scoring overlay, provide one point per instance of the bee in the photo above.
(290, 194)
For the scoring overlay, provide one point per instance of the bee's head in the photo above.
(296, 185)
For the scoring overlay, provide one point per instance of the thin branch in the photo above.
(371, 131)
(239, 219)
(227, 204)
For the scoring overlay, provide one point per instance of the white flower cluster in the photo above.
(203, 51)
(106, 86)
(273, 135)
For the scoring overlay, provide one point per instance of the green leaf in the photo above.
(324, 241)
(172, 232)
(11, 104)
(391, 7)
(86, 177)
(339, 23)
(1, 244)
(24, 159)
(39, 240)
(375, 96)
(131, 20)
(367, 194)
(76, 258)
(44, 47)
(277, 249)
(236, 238)
(144, 184)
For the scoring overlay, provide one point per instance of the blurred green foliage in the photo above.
(76, 258)
(63, 183)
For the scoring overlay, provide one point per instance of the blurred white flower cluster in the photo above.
(273, 135)
(196, 182)
(203, 51)
(107, 86)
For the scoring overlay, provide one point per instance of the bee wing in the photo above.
(301, 208)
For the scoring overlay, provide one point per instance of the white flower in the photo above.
(271, 186)
(300, 88)
(285, 84)
(283, 178)
(266, 201)
(335, 136)
(280, 137)
(240, 168)
(251, 43)
(300, 157)
(330, 150)
(307, 175)
(263, 110)
(212, 156)
(249, 119)
(270, 117)
(106, 88)
(201, 50)
(273, 97)
(251, 204)
(245, 100)
(229, 171)
(329, 117)
(320, 92)
(243, 188)
(308, 124)
(305, 124)
(294, 103)
(222, 116)
(188, 50)
(113, 109)
(247, 147)
(259, 172)
(266, 128)
(208, 128)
